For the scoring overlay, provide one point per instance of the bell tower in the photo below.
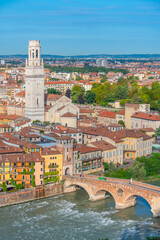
(34, 83)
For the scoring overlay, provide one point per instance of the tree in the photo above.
(4, 186)
(137, 170)
(81, 99)
(123, 102)
(121, 92)
(76, 92)
(78, 78)
(121, 122)
(19, 186)
(68, 93)
(157, 133)
(53, 91)
(104, 79)
(152, 164)
(90, 97)
(106, 166)
(19, 81)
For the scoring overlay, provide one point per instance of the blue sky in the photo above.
(70, 27)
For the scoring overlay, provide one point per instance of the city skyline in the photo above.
(69, 27)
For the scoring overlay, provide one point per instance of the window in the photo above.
(117, 152)
(127, 146)
(131, 147)
(41, 169)
(131, 155)
(36, 53)
(110, 154)
(41, 163)
(23, 177)
(113, 153)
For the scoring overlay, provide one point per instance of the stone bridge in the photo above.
(123, 192)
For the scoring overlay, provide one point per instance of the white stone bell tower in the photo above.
(34, 83)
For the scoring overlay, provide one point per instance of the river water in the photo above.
(73, 217)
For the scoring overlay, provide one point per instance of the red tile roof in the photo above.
(24, 157)
(53, 97)
(103, 145)
(107, 114)
(121, 112)
(87, 149)
(21, 94)
(146, 116)
(68, 114)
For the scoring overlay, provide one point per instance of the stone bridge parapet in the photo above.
(123, 192)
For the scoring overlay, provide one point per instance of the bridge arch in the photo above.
(132, 198)
(84, 186)
(102, 192)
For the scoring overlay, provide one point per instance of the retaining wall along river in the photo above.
(30, 194)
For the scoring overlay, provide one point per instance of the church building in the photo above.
(34, 103)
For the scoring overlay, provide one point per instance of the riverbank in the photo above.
(26, 195)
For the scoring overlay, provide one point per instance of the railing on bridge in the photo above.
(123, 181)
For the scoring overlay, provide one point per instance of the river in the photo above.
(72, 217)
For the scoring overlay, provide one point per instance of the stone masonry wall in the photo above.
(26, 195)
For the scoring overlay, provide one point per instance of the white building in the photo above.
(34, 83)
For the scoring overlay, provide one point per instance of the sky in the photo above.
(75, 27)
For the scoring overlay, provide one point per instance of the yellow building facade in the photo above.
(5, 171)
(53, 163)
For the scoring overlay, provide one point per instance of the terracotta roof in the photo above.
(6, 149)
(58, 82)
(103, 145)
(59, 109)
(107, 114)
(115, 125)
(146, 116)
(87, 149)
(121, 112)
(12, 117)
(68, 114)
(116, 136)
(29, 145)
(147, 129)
(83, 110)
(24, 157)
(47, 151)
(21, 94)
(5, 126)
(53, 97)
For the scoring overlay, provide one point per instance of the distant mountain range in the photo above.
(146, 56)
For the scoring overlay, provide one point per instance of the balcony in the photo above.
(53, 166)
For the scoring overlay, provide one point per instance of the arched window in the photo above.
(33, 55)
(36, 53)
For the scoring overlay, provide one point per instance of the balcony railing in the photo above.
(51, 166)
